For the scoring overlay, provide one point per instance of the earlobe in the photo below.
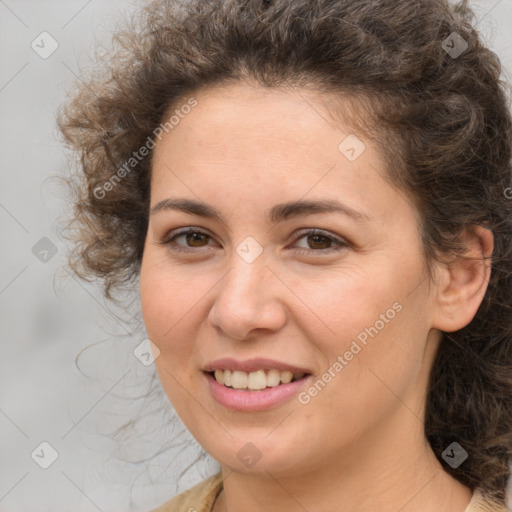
(463, 281)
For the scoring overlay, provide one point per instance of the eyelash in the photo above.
(341, 244)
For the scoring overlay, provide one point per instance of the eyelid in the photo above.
(318, 231)
(339, 242)
(169, 237)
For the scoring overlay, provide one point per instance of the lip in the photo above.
(249, 401)
(252, 365)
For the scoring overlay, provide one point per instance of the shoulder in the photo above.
(481, 503)
(199, 498)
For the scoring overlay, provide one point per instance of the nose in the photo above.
(249, 301)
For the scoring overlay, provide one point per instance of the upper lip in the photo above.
(252, 365)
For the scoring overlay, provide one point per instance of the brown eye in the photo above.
(186, 239)
(195, 238)
(320, 242)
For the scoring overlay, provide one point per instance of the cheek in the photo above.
(173, 302)
(347, 301)
(164, 300)
(155, 301)
(374, 323)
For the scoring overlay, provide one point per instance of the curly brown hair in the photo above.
(439, 112)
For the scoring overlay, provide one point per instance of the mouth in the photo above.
(254, 381)
(256, 390)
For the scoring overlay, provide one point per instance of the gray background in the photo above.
(49, 317)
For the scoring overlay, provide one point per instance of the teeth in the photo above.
(259, 379)
(286, 377)
(273, 378)
(239, 380)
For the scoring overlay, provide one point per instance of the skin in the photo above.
(359, 444)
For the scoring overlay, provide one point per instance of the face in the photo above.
(300, 261)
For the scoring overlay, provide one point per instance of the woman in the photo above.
(312, 196)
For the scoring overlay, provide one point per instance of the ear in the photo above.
(462, 283)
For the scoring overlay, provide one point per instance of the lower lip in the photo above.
(244, 400)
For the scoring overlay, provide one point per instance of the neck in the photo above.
(395, 472)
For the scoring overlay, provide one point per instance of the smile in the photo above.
(256, 380)
(253, 400)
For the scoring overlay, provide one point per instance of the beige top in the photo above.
(202, 496)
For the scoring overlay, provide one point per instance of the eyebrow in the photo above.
(278, 213)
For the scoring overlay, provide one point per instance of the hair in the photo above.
(441, 120)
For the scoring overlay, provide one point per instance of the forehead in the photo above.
(230, 114)
(250, 144)
(252, 125)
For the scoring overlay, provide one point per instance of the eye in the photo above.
(321, 241)
(317, 241)
(193, 238)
